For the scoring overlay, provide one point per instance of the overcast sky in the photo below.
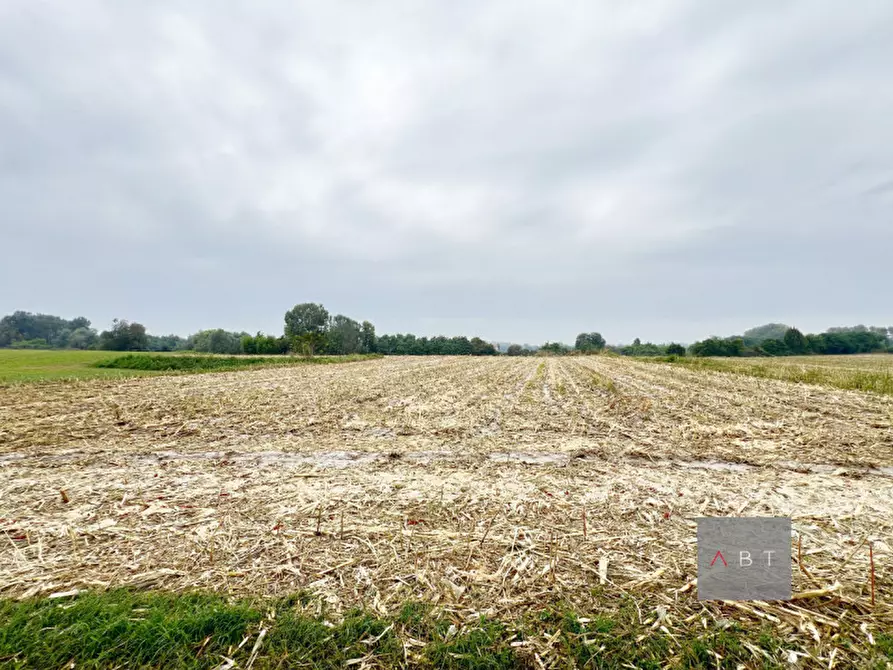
(517, 170)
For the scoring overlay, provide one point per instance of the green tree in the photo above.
(264, 344)
(716, 346)
(769, 331)
(308, 317)
(554, 348)
(343, 335)
(795, 341)
(216, 341)
(515, 350)
(166, 343)
(82, 338)
(774, 347)
(481, 348)
(307, 343)
(589, 342)
(54, 330)
(249, 344)
(674, 349)
(124, 336)
(367, 338)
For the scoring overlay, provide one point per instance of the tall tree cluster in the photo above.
(310, 329)
(589, 342)
(124, 336)
(791, 342)
(26, 330)
(410, 345)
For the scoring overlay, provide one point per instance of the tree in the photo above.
(217, 341)
(344, 335)
(770, 331)
(515, 350)
(554, 348)
(124, 336)
(367, 338)
(794, 341)
(264, 344)
(589, 342)
(307, 343)
(715, 346)
(53, 330)
(7, 334)
(674, 349)
(481, 348)
(774, 347)
(308, 317)
(82, 338)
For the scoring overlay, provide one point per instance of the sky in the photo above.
(519, 170)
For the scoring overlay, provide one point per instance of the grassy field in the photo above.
(871, 372)
(22, 365)
(555, 497)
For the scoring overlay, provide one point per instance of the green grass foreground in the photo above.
(191, 363)
(796, 371)
(161, 630)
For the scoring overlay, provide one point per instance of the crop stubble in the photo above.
(460, 481)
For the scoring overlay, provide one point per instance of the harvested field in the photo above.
(481, 485)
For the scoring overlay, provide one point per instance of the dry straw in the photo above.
(480, 486)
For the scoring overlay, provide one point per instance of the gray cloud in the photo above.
(519, 170)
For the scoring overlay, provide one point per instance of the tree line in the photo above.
(310, 329)
(410, 345)
(792, 342)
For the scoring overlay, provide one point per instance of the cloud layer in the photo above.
(520, 170)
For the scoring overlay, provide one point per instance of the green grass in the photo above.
(191, 363)
(601, 381)
(159, 630)
(28, 365)
(800, 371)
(121, 628)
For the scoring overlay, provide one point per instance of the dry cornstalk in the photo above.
(234, 453)
(871, 563)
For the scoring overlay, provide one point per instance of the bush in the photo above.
(155, 362)
(36, 343)
(186, 363)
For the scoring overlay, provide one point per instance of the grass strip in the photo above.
(870, 381)
(122, 628)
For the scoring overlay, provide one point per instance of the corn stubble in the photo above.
(481, 486)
